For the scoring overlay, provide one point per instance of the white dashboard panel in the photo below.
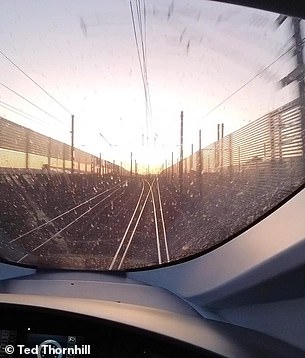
(223, 339)
(273, 246)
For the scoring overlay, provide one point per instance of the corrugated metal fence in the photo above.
(271, 144)
(23, 148)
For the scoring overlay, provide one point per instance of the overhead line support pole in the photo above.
(200, 165)
(72, 144)
(181, 152)
(301, 82)
(172, 166)
(131, 163)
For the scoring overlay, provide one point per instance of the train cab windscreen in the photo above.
(141, 133)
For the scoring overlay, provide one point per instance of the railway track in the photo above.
(67, 219)
(144, 232)
(160, 228)
(150, 196)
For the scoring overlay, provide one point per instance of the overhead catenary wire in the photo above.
(21, 113)
(143, 44)
(145, 27)
(138, 52)
(142, 26)
(143, 33)
(247, 83)
(107, 141)
(140, 40)
(30, 102)
(15, 111)
(36, 83)
(145, 48)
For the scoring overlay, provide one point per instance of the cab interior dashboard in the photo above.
(26, 326)
(244, 299)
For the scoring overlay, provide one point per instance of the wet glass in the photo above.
(139, 133)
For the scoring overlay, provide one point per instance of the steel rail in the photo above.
(156, 220)
(163, 222)
(63, 214)
(127, 229)
(71, 223)
(133, 231)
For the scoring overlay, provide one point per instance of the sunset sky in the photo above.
(84, 54)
